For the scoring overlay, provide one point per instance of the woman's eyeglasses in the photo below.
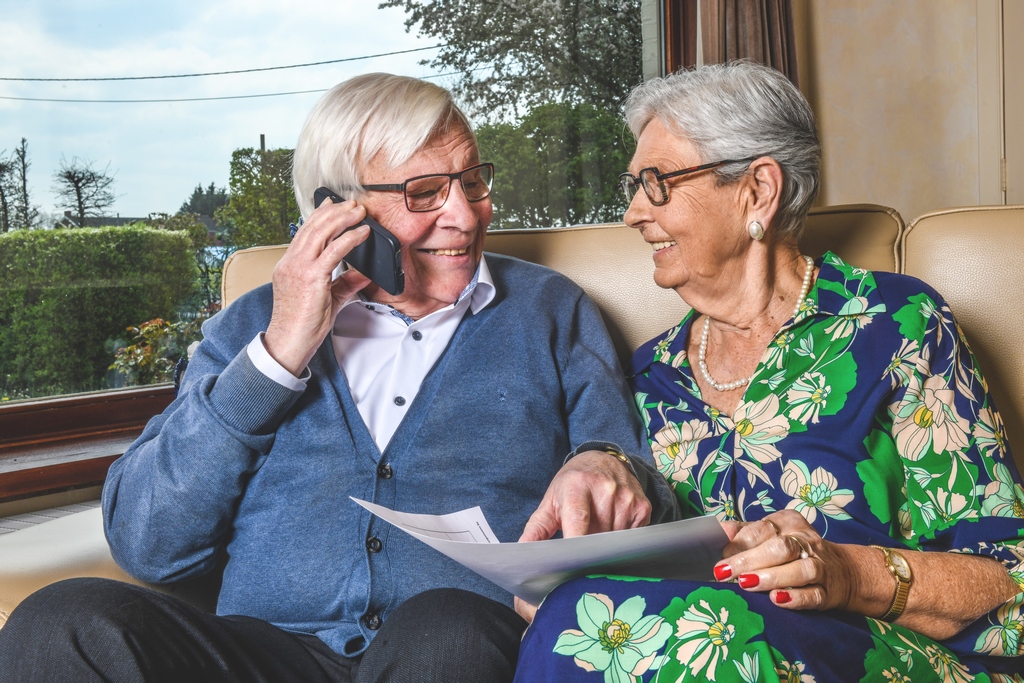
(653, 182)
(429, 192)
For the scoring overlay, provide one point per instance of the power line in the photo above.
(181, 99)
(197, 99)
(217, 73)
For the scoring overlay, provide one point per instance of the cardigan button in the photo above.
(374, 545)
(384, 471)
(372, 621)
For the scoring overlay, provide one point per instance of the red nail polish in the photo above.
(782, 597)
(749, 580)
(723, 572)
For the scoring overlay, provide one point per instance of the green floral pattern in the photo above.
(622, 643)
(869, 416)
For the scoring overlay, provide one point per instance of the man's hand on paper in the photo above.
(592, 493)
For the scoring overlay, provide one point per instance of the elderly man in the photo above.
(486, 381)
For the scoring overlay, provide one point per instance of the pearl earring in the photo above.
(756, 230)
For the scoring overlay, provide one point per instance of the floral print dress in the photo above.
(867, 414)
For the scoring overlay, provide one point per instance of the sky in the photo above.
(159, 152)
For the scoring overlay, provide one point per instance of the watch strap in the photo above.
(618, 455)
(899, 600)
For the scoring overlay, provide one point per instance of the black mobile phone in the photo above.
(379, 257)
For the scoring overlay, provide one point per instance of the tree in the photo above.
(209, 257)
(205, 202)
(513, 55)
(558, 166)
(548, 79)
(261, 203)
(82, 189)
(7, 191)
(25, 215)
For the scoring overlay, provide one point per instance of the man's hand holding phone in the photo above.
(307, 298)
(379, 257)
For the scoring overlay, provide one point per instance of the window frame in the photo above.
(37, 458)
(69, 442)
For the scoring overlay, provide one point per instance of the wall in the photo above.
(906, 95)
(1013, 42)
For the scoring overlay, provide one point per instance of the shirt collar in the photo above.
(480, 291)
(480, 288)
(842, 290)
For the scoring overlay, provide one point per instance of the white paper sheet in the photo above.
(687, 549)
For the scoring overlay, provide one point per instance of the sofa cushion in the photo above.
(71, 547)
(972, 256)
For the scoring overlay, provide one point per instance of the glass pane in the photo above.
(141, 144)
(544, 83)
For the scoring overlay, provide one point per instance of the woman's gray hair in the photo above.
(734, 111)
(369, 115)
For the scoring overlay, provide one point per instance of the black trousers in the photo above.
(84, 630)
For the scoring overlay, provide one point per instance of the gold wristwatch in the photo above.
(615, 453)
(900, 570)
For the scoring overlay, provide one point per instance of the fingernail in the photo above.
(782, 597)
(723, 572)
(748, 580)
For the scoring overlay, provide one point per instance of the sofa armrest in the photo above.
(70, 547)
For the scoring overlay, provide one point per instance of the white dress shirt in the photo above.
(384, 354)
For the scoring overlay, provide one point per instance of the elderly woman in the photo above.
(833, 419)
(469, 387)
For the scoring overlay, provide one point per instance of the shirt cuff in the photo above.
(266, 364)
(608, 447)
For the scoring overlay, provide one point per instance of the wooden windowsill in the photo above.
(69, 442)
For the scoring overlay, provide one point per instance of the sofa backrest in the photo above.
(865, 235)
(973, 257)
(613, 264)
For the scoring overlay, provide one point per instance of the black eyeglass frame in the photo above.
(400, 187)
(626, 180)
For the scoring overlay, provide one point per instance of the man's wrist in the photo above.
(618, 455)
(267, 365)
(608, 447)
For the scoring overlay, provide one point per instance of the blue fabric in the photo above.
(867, 414)
(626, 630)
(241, 469)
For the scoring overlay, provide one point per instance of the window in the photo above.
(140, 145)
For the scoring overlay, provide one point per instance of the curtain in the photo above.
(680, 34)
(759, 30)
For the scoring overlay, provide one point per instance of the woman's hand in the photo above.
(950, 590)
(306, 301)
(782, 554)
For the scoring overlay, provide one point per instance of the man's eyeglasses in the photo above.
(653, 182)
(429, 192)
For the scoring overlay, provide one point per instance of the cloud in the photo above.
(161, 151)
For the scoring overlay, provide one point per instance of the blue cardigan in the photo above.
(242, 472)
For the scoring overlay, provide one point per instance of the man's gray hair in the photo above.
(363, 117)
(734, 111)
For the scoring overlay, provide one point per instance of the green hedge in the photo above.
(68, 296)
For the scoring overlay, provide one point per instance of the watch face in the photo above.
(900, 566)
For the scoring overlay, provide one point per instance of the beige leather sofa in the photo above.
(972, 256)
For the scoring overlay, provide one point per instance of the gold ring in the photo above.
(773, 525)
(805, 552)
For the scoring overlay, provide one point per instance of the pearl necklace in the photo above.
(742, 381)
